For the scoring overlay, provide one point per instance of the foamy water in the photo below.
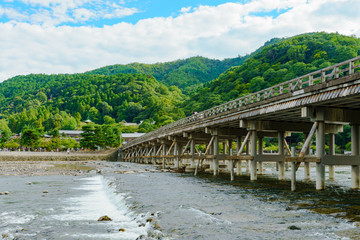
(100, 200)
(70, 210)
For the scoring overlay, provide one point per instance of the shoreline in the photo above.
(53, 163)
(57, 156)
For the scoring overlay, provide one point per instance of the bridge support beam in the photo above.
(163, 153)
(355, 169)
(293, 171)
(216, 153)
(238, 162)
(153, 159)
(248, 162)
(260, 164)
(176, 154)
(331, 153)
(281, 153)
(306, 164)
(192, 152)
(253, 170)
(231, 161)
(320, 151)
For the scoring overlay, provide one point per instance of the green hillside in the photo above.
(277, 62)
(61, 101)
(185, 74)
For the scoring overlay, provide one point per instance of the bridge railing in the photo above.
(324, 75)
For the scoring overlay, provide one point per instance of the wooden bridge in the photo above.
(316, 104)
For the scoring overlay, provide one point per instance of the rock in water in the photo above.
(121, 230)
(293, 227)
(104, 218)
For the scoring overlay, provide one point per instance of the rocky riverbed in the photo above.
(52, 163)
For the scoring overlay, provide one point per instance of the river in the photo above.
(145, 203)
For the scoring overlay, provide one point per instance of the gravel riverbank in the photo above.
(52, 163)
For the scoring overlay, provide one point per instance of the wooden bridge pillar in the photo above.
(135, 155)
(248, 162)
(306, 164)
(320, 151)
(192, 152)
(260, 164)
(216, 152)
(153, 159)
(180, 148)
(163, 153)
(331, 153)
(355, 169)
(231, 161)
(238, 163)
(293, 171)
(176, 154)
(253, 169)
(281, 153)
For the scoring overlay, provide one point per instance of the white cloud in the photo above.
(121, 12)
(185, 9)
(12, 14)
(83, 14)
(216, 32)
(57, 12)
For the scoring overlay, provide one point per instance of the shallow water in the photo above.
(162, 205)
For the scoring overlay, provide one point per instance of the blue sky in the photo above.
(99, 13)
(69, 36)
(137, 10)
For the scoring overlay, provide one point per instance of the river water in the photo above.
(144, 203)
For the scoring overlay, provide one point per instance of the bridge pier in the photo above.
(238, 162)
(260, 164)
(192, 152)
(293, 171)
(306, 164)
(231, 161)
(331, 153)
(248, 162)
(281, 153)
(320, 150)
(355, 169)
(176, 154)
(216, 152)
(163, 153)
(253, 169)
(153, 159)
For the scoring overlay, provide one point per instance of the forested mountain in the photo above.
(275, 63)
(186, 74)
(61, 101)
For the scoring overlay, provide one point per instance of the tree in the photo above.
(12, 144)
(257, 84)
(55, 133)
(54, 143)
(69, 143)
(77, 117)
(108, 120)
(112, 135)
(30, 137)
(88, 137)
(99, 136)
(5, 132)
